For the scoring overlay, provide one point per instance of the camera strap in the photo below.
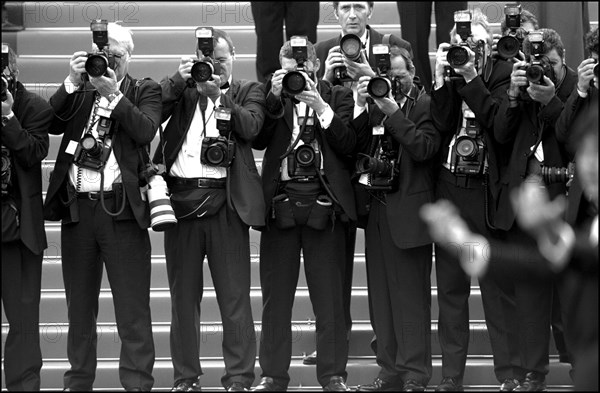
(299, 136)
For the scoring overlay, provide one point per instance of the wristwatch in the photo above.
(114, 95)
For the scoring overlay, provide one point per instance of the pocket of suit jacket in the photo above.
(10, 220)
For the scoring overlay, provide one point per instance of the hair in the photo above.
(526, 16)
(591, 41)
(551, 41)
(337, 3)
(396, 51)
(12, 59)
(286, 51)
(121, 35)
(477, 18)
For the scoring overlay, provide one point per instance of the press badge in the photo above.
(71, 147)
(378, 130)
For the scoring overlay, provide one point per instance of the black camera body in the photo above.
(458, 55)
(98, 62)
(8, 80)
(6, 170)
(294, 82)
(350, 46)
(381, 168)
(468, 153)
(539, 66)
(92, 153)
(510, 45)
(219, 151)
(304, 162)
(380, 86)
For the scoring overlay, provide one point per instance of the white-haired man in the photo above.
(95, 191)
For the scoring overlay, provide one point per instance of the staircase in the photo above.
(163, 32)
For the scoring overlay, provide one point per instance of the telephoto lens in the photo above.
(293, 83)
(96, 65)
(351, 46)
(162, 216)
(379, 87)
(535, 74)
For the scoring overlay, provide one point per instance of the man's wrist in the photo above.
(583, 92)
(7, 118)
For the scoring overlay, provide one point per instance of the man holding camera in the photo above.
(105, 117)
(344, 60)
(216, 194)
(464, 100)
(25, 122)
(525, 122)
(397, 141)
(307, 184)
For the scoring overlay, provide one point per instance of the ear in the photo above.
(317, 65)
(335, 12)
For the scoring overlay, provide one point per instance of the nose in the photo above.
(352, 13)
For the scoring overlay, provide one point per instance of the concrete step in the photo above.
(360, 370)
(53, 339)
(53, 307)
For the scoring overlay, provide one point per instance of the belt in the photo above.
(95, 195)
(198, 182)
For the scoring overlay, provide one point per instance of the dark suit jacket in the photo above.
(247, 101)
(322, 48)
(418, 142)
(336, 142)
(26, 136)
(520, 128)
(137, 127)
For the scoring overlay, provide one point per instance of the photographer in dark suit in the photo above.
(464, 100)
(353, 18)
(525, 123)
(216, 194)
(307, 184)
(95, 191)
(25, 122)
(396, 169)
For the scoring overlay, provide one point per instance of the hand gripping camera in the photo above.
(203, 69)
(468, 151)
(457, 54)
(305, 161)
(9, 82)
(539, 65)
(294, 82)
(381, 169)
(98, 62)
(92, 153)
(219, 151)
(381, 85)
(510, 45)
(350, 46)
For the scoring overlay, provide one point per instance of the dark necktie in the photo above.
(203, 104)
(225, 86)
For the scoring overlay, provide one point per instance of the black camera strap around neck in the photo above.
(299, 136)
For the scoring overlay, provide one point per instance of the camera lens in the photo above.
(535, 74)
(305, 155)
(202, 71)
(379, 87)
(373, 165)
(466, 147)
(90, 145)
(96, 65)
(508, 47)
(293, 83)
(215, 154)
(350, 46)
(457, 56)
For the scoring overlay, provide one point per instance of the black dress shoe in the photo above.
(534, 382)
(237, 387)
(336, 384)
(187, 385)
(412, 386)
(310, 359)
(449, 385)
(508, 385)
(268, 385)
(378, 385)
